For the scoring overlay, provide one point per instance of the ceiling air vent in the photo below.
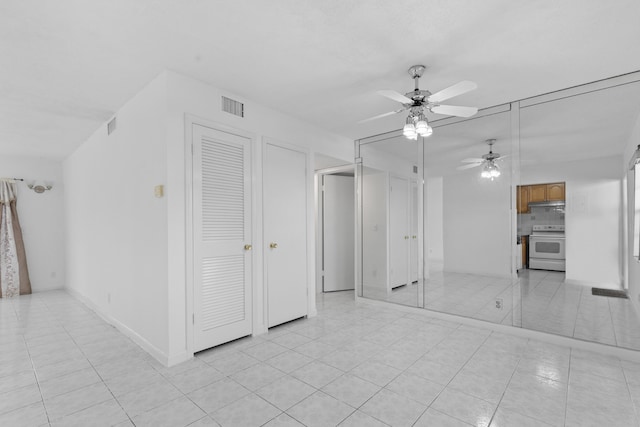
(233, 107)
(111, 126)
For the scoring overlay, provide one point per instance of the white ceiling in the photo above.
(590, 125)
(68, 65)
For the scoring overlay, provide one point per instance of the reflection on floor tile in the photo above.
(538, 300)
(395, 369)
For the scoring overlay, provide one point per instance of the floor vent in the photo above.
(233, 107)
(615, 293)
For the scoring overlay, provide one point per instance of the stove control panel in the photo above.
(553, 228)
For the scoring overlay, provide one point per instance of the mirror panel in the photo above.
(390, 191)
(469, 220)
(579, 140)
(481, 250)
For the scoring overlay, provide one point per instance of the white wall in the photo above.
(632, 263)
(435, 219)
(592, 217)
(477, 224)
(188, 99)
(126, 248)
(116, 229)
(41, 218)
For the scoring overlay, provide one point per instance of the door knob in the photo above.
(273, 245)
(247, 247)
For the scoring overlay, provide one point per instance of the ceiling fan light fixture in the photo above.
(409, 129)
(427, 132)
(422, 126)
(490, 171)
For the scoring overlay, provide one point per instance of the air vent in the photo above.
(111, 126)
(233, 107)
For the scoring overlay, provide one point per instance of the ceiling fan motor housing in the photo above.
(415, 71)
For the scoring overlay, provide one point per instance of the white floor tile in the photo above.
(249, 411)
(285, 392)
(218, 395)
(350, 351)
(177, 413)
(351, 389)
(393, 409)
(319, 410)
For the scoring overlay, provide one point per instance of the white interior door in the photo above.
(285, 232)
(338, 233)
(415, 233)
(398, 231)
(222, 228)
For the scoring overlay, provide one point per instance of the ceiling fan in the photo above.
(418, 102)
(488, 161)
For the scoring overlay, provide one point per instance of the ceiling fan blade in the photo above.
(379, 116)
(392, 94)
(454, 110)
(476, 160)
(469, 166)
(452, 91)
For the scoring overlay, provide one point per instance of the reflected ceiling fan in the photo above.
(418, 102)
(490, 168)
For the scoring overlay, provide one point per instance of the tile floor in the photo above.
(352, 365)
(539, 300)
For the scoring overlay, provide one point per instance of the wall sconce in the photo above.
(39, 188)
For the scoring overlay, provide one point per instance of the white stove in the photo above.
(547, 248)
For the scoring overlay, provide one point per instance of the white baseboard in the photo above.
(589, 284)
(154, 351)
(481, 274)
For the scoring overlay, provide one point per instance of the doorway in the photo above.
(336, 229)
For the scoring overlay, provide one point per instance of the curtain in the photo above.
(14, 276)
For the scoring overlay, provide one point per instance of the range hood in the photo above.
(549, 204)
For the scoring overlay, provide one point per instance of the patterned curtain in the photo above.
(14, 276)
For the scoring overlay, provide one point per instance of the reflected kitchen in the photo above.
(541, 226)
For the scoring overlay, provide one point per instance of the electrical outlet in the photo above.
(499, 304)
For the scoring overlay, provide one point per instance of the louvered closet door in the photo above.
(222, 228)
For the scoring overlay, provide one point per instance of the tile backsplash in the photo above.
(540, 216)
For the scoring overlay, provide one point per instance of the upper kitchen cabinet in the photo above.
(538, 193)
(523, 196)
(555, 191)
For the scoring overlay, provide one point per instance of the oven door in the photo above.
(544, 247)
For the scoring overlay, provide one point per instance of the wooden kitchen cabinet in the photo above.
(538, 193)
(523, 199)
(555, 191)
